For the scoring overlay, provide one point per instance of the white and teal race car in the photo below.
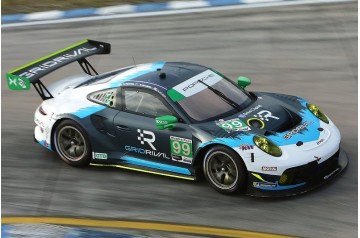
(182, 120)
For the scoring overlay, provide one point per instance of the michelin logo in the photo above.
(296, 130)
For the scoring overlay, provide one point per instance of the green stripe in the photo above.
(48, 56)
(175, 95)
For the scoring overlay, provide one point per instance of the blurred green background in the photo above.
(28, 6)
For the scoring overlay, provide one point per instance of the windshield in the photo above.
(201, 103)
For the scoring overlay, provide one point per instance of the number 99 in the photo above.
(176, 147)
(226, 126)
(186, 149)
(183, 148)
(236, 123)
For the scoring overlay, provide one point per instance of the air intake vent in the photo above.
(293, 121)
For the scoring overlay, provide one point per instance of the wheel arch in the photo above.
(56, 124)
(200, 155)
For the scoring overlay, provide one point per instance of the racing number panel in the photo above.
(137, 134)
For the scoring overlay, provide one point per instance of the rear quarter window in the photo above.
(105, 97)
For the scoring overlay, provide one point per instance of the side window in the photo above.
(144, 103)
(105, 97)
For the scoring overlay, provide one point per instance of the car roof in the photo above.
(162, 75)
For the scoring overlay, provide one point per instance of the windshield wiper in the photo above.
(222, 96)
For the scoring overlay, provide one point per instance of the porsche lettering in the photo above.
(200, 80)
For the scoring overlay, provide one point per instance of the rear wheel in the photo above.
(224, 170)
(72, 144)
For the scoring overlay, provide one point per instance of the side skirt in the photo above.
(145, 170)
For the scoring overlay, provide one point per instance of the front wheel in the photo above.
(224, 170)
(72, 144)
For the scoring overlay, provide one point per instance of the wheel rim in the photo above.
(222, 170)
(71, 143)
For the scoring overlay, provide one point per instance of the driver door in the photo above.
(138, 136)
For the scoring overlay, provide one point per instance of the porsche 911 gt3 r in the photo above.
(181, 120)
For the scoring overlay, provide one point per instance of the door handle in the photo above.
(122, 128)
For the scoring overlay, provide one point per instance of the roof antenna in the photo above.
(134, 62)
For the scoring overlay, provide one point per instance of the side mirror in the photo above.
(165, 122)
(243, 81)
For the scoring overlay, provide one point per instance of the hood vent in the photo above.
(292, 121)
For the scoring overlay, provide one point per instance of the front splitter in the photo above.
(322, 178)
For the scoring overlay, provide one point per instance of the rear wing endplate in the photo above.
(20, 78)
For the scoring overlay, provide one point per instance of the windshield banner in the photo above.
(193, 85)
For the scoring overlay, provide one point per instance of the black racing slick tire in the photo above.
(72, 144)
(224, 170)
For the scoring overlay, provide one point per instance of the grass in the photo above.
(28, 6)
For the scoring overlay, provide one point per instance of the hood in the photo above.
(271, 115)
(66, 83)
(268, 115)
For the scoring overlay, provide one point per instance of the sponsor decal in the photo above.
(51, 63)
(39, 123)
(181, 149)
(100, 155)
(47, 132)
(43, 127)
(183, 159)
(329, 175)
(264, 115)
(244, 114)
(193, 85)
(176, 158)
(264, 185)
(17, 83)
(268, 168)
(146, 136)
(233, 125)
(320, 141)
(297, 129)
(146, 152)
(200, 79)
(161, 122)
(187, 160)
(246, 147)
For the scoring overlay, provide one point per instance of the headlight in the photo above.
(267, 146)
(316, 111)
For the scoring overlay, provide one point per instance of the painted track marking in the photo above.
(142, 225)
(171, 12)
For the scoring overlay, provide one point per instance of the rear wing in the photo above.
(20, 78)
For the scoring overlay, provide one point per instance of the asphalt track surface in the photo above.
(306, 50)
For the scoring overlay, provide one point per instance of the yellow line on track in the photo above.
(142, 225)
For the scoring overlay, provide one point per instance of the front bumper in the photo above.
(297, 180)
